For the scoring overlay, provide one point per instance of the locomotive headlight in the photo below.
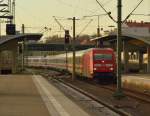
(111, 68)
(95, 68)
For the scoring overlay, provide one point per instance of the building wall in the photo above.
(9, 56)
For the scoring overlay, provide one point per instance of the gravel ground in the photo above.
(130, 105)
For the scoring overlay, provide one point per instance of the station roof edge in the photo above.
(141, 38)
(20, 37)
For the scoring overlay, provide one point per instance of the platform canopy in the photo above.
(20, 37)
(134, 39)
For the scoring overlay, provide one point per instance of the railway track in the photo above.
(140, 98)
(134, 94)
(120, 112)
(131, 93)
(145, 97)
(94, 98)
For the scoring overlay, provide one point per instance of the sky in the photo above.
(37, 14)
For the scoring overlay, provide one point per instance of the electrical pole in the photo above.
(98, 28)
(10, 10)
(98, 25)
(98, 34)
(13, 10)
(23, 49)
(98, 44)
(61, 26)
(73, 47)
(119, 94)
(66, 49)
(23, 27)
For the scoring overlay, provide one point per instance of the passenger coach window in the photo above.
(102, 56)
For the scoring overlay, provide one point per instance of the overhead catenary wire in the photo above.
(23, 11)
(104, 4)
(63, 18)
(70, 5)
(133, 11)
(75, 9)
(108, 1)
(85, 27)
(142, 14)
(108, 13)
(59, 23)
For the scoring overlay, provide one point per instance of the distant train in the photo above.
(94, 63)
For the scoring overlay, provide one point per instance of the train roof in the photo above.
(69, 54)
(80, 53)
(100, 49)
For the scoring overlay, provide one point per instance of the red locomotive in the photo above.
(99, 63)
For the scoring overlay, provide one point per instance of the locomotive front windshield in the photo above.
(102, 56)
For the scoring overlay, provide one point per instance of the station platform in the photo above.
(138, 82)
(28, 95)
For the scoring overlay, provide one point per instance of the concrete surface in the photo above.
(20, 97)
(53, 97)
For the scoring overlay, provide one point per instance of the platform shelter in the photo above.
(11, 53)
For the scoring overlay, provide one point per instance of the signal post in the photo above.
(67, 36)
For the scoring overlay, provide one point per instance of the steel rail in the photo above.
(94, 98)
(131, 93)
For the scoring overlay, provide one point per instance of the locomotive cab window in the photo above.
(102, 56)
